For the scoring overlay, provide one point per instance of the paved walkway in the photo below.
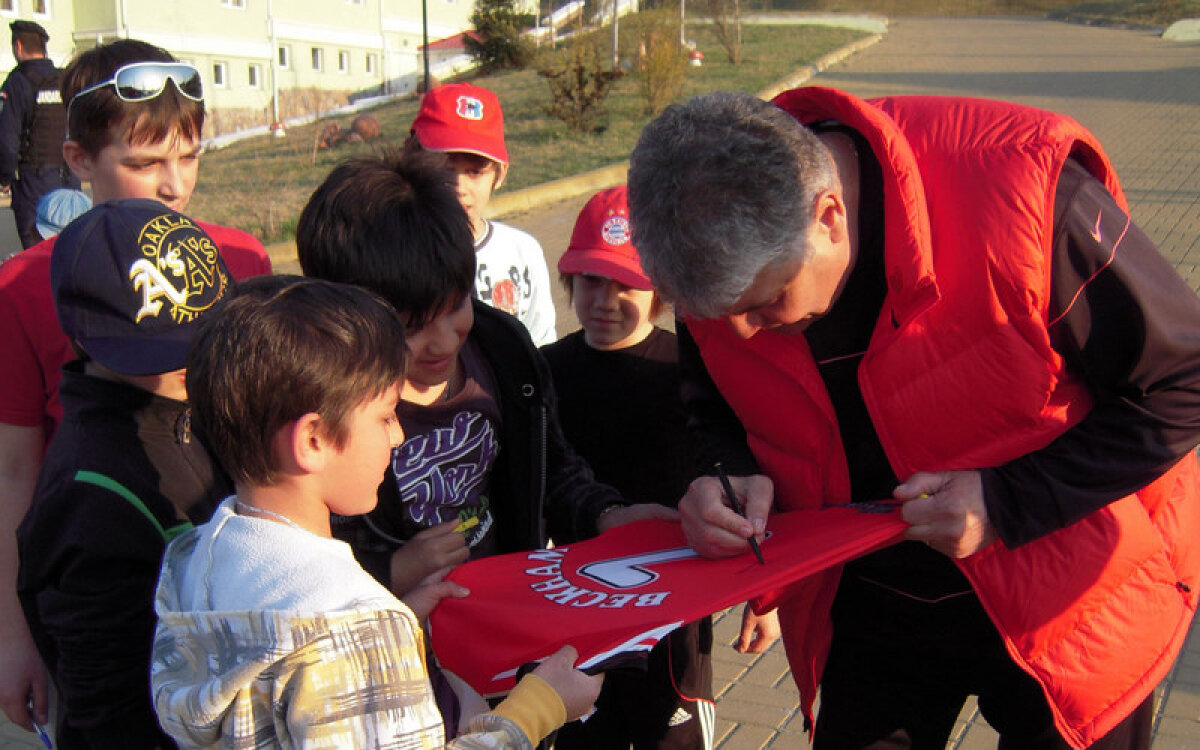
(1141, 96)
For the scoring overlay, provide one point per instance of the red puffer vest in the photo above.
(960, 374)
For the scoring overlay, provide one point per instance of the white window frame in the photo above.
(317, 58)
(220, 74)
(283, 57)
(11, 10)
(372, 64)
(254, 75)
(44, 12)
(343, 57)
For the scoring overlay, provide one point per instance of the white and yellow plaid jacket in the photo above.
(266, 679)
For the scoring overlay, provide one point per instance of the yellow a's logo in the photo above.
(178, 267)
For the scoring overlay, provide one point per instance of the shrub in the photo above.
(661, 62)
(726, 18)
(579, 83)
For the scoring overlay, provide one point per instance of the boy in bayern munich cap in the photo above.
(465, 122)
(124, 473)
(620, 407)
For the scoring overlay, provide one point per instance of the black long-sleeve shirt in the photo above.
(124, 470)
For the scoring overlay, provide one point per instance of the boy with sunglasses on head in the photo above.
(134, 121)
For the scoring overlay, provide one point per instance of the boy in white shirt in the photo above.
(270, 634)
(465, 123)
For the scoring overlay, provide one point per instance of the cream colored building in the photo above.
(262, 60)
(57, 24)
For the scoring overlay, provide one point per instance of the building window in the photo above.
(318, 58)
(372, 63)
(8, 6)
(285, 56)
(343, 61)
(40, 7)
(234, 4)
(254, 75)
(219, 78)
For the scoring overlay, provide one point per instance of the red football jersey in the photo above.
(627, 588)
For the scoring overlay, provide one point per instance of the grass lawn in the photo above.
(261, 184)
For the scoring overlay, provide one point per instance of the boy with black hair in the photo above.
(134, 117)
(269, 632)
(125, 472)
(484, 468)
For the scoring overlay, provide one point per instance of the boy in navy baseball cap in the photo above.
(124, 473)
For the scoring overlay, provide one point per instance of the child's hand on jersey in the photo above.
(430, 550)
(577, 690)
(428, 592)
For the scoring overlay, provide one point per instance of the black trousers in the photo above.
(667, 707)
(901, 668)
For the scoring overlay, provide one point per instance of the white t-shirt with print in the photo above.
(511, 275)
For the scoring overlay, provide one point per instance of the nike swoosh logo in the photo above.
(1095, 232)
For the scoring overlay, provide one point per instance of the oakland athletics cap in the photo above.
(130, 280)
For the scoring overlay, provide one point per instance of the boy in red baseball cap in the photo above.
(618, 395)
(465, 122)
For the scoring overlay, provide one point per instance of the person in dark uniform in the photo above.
(32, 128)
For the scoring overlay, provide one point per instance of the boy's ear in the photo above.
(501, 173)
(307, 443)
(78, 159)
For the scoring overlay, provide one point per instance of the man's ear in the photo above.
(78, 159)
(307, 443)
(830, 215)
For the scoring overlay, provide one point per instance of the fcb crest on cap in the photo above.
(615, 230)
(602, 241)
(130, 279)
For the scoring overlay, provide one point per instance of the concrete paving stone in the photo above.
(784, 699)
(722, 729)
(1182, 704)
(754, 711)
(1183, 728)
(768, 670)
(1174, 743)
(747, 737)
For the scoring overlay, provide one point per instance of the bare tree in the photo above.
(726, 19)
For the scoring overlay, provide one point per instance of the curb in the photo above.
(564, 188)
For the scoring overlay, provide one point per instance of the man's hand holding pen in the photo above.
(712, 527)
